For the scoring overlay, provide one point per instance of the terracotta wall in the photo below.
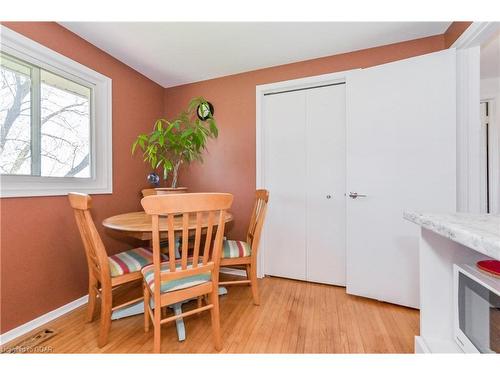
(230, 164)
(42, 259)
(454, 31)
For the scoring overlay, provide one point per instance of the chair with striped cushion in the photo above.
(129, 261)
(105, 273)
(194, 274)
(235, 249)
(177, 284)
(244, 253)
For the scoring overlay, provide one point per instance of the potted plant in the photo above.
(181, 140)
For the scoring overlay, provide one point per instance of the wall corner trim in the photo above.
(468, 114)
(476, 34)
(41, 320)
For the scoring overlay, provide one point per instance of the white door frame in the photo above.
(468, 114)
(260, 91)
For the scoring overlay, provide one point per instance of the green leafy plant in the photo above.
(181, 140)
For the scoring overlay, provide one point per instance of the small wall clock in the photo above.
(205, 110)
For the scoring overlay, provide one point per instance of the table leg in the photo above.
(130, 310)
(179, 323)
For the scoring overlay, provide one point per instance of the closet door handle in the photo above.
(355, 195)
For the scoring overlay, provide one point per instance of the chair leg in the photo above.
(147, 299)
(199, 302)
(247, 269)
(214, 313)
(92, 299)
(254, 285)
(105, 324)
(157, 328)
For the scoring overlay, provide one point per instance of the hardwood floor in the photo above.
(294, 317)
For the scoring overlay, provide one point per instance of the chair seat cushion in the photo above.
(235, 249)
(172, 285)
(130, 261)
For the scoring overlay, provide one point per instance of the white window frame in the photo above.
(101, 180)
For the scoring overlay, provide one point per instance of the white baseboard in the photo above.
(41, 320)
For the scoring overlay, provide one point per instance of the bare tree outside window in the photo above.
(57, 142)
(15, 114)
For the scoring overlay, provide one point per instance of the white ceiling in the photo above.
(175, 53)
(490, 58)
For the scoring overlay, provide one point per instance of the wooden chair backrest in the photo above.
(193, 209)
(97, 258)
(257, 219)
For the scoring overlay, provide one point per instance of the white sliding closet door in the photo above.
(401, 154)
(285, 170)
(304, 170)
(325, 179)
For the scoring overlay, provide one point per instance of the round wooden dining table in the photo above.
(139, 225)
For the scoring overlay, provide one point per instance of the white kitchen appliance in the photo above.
(477, 310)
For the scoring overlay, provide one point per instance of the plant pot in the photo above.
(177, 190)
(163, 191)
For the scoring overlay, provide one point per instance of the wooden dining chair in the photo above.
(164, 243)
(244, 253)
(193, 275)
(105, 272)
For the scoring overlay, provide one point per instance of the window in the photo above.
(45, 122)
(55, 118)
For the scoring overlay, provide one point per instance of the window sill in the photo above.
(29, 186)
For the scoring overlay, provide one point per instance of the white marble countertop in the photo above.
(479, 232)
